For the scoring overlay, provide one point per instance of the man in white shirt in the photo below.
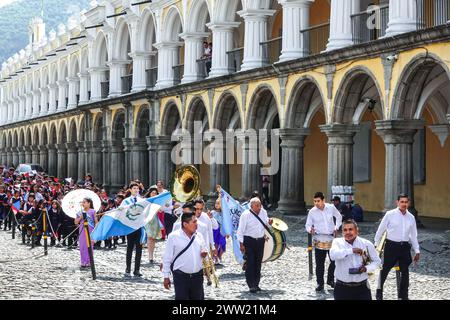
(323, 222)
(401, 229)
(250, 235)
(355, 257)
(134, 238)
(183, 256)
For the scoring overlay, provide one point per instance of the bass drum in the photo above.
(275, 245)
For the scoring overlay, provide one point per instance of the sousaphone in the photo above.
(185, 185)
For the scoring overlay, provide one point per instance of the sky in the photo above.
(6, 2)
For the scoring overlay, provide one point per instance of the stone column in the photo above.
(36, 102)
(222, 34)
(62, 94)
(398, 137)
(43, 157)
(295, 18)
(96, 160)
(44, 101)
(74, 84)
(28, 106)
(255, 33)
(193, 43)
(340, 154)
(72, 160)
(251, 175)
(168, 56)
(35, 154)
(15, 109)
(141, 61)
(138, 160)
(53, 92)
(9, 112)
(21, 107)
(341, 23)
(84, 88)
(152, 159)
(62, 161)
(117, 70)
(98, 75)
(15, 156)
(21, 154)
(165, 166)
(106, 164)
(117, 160)
(3, 156)
(28, 154)
(52, 160)
(9, 156)
(402, 17)
(82, 156)
(292, 192)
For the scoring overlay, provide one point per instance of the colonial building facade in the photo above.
(359, 95)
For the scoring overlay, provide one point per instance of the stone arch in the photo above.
(53, 73)
(118, 126)
(227, 113)
(122, 41)
(21, 141)
(63, 70)
(100, 50)
(305, 101)
(173, 25)
(36, 136)
(62, 134)
(15, 140)
(72, 133)
(98, 128)
(198, 16)
(84, 60)
(197, 111)
(36, 80)
(143, 122)
(263, 109)
(358, 90)
(74, 64)
(53, 136)
(44, 135)
(171, 119)
(28, 138)
(225, 10)
(424, 76)
(148, 31)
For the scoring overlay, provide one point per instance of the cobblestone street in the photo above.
(57, 276)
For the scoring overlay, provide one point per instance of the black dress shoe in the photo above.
(379, 294)
(137, 274)
(258, 289)
(319, 288)
(253, 290)
(330, 283)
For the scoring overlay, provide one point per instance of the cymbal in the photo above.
(279, 224)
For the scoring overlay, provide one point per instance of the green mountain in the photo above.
(15, 17)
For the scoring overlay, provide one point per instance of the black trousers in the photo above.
(188, 286)
(134, 240)
(254, 249)
(320, 256)
(395, 252)
(343, 292)
(8, 218)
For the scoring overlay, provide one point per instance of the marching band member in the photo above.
(323, 228)
(401, 229)
(250, 235)
(134, 238)
(183, 256)
(211, 223)
(355, 257)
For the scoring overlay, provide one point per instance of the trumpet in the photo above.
(210, 270)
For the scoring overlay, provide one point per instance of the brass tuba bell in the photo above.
(185, 184)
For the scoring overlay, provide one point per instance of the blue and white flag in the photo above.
(125, 220)
(231, 212)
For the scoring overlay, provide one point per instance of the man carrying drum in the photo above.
(321, 225)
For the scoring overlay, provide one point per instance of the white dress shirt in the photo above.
(190, 261)
(201, 228)
(250, 226)
(322, 221)
(400, 228)
(342, 253)
(209, 224)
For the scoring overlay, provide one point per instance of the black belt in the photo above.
(253, 238)
(190, 275)
(352, 284)
(401, 243)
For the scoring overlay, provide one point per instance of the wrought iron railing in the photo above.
(152, 77)
(235, 58)
(127, 83)
(371, 24)
(204, 67)
(272, 49)
(178, 72)
(432, 13)
(315, 38)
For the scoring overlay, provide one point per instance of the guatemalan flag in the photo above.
(15, 207)
(231, 211)
(125, 220)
